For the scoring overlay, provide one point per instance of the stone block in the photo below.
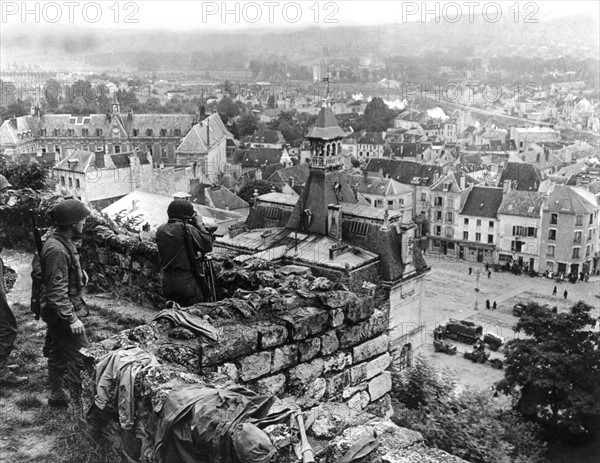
(336, 317)
(271, 334)
(367, 329)
(309, 349)
(367, 370)
(351, 390)
(295, 270)
(306, 372)
(361, 310)
(271, 385)
(380, 385)
(337, 362)
(370, 348)
(312, 393)
(229, 370)
(338, 299)
(329, 343)
(337, 384)
(304, 322)
(255, 365)
(284, 357)
(235, 340)
(358, 401)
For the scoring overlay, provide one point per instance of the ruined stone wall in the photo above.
(123, 263)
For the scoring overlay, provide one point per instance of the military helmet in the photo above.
(4, 185)
(69, 212)
(180, 208)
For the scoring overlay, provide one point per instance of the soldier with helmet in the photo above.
(63, 280)
(8, 323)
(179, 283)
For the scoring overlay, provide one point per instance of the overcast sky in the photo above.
(233, 16)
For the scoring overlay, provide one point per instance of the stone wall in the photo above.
(282, 332)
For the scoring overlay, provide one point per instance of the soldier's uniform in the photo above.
(62, 278)
(178, 282)
(8, 329)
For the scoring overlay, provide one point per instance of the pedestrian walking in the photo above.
(554, 291)
(64, 279)
(566, 293)
(470, 270)
(494, 306)
(8, 323)
(487, 304)
(489, 274)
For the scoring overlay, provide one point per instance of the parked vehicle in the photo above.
(462, 331)
(477, 356)
(518, 309)
(497, 363)
(493, 341)
(444, 346)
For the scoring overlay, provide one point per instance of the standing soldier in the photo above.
(63, 280)
(179, 283)
(8, 323)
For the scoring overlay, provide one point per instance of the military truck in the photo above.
(493, 340)
(444, 346)
(462, 331)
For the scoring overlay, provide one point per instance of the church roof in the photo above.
(326, 126)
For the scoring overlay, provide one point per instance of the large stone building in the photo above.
(570, 224)
(23, 139)
(330, 230)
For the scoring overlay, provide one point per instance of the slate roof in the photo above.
(258, 157)
(84, 159)
(524, 176)
(326, 126)
(522, 203)
(220, 197)
(267, 136)
(196, 140)
(371, 138)
(377, 186)
(404, 171)
(483, 202)
(570, 200)
(298, 172)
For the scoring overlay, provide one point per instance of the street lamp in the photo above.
(477, 275)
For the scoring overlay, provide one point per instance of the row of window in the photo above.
(578, 219)
(63, 182)
(576, 254)
(577, 235)
(478, 222)
(99, 132)
(390, 203)
(490, 238)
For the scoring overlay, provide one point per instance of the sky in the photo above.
(244, 15)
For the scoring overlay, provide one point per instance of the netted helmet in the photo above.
(69, 212)
(180, 208)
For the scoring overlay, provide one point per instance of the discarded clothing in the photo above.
(191, 322)
(202, 424)
(114, 379)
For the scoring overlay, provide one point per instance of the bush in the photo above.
(469, 424)
(33, 176)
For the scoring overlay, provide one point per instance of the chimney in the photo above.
(13, 121)
(507, 186)
(291, 181)
(381, 173)
(462, 182)
(436, 177)
(99, 159)
(207, 135)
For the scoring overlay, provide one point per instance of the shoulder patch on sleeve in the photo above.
(58, 276)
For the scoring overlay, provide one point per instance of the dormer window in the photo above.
(85, 132)
(163, 132)
(177, 132)
(98, 132)
(56, 132)
(43, 132)
(149, 132)
(136, 132)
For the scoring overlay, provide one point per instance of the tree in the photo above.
(34, 176)
(378, 117)
(468, 424)
(262, 186)
(554, 372)
(246, 125)
(227, 110)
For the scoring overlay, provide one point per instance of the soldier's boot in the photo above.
(76, 402)
(58, 395)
